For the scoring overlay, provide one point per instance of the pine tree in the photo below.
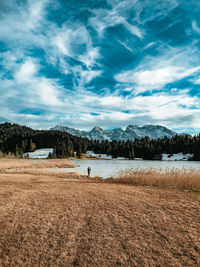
(79, 152)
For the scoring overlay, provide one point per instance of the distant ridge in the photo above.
(130, 133)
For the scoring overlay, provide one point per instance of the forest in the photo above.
(15, 140)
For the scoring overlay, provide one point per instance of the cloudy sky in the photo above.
(109, 63)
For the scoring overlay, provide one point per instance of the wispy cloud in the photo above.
(109, 63)
(195, 26)
(156, 78)
(117, 15)
(154, 73)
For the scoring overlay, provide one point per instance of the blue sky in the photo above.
(107, 63)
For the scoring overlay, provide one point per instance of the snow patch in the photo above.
(39, 153)
(91, 154)
(179, 156)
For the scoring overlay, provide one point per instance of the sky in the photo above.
(111, 63)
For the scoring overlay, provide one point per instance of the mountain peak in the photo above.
(97, 128)
(133, 126)
(130, 133)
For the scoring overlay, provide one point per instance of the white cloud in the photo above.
(35, 13)
(196, 81)
(153, 73)
(195, 26)
(133, 29)
(26, 71)
(90, 57)
(146, 11)
(27, 27)
(61, 42)
(107, 18)
(126, 46)
(88, 75)
(76, 43)
(167, 108)
(37, 90)
(48, 93)
(154, 79)
(164, 109)
(150, 45)
(21, 25)
(9, 59)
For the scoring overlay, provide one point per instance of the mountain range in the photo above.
(130, 133)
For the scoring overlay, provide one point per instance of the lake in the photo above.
(108, 168)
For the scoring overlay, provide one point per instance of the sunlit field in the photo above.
(64, 219)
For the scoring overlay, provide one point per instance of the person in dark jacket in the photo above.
(89, 171)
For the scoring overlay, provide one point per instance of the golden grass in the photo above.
(44, 172)
(47, 221)
(13, 163)
(185, 179)
(51, 218)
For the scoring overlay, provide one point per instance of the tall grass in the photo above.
(185, 179)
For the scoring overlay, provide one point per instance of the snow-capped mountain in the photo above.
(130, 133)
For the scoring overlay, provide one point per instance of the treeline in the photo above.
(16, 140)
(150, 149)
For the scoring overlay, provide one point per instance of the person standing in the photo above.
(89, 171)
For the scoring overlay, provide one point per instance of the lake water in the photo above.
(108, 168)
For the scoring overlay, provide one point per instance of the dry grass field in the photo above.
(61, 219)
(186, 179)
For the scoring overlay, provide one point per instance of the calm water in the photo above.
(108, 168)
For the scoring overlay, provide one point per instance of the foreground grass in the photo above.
(48, 220)
(186, 179)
